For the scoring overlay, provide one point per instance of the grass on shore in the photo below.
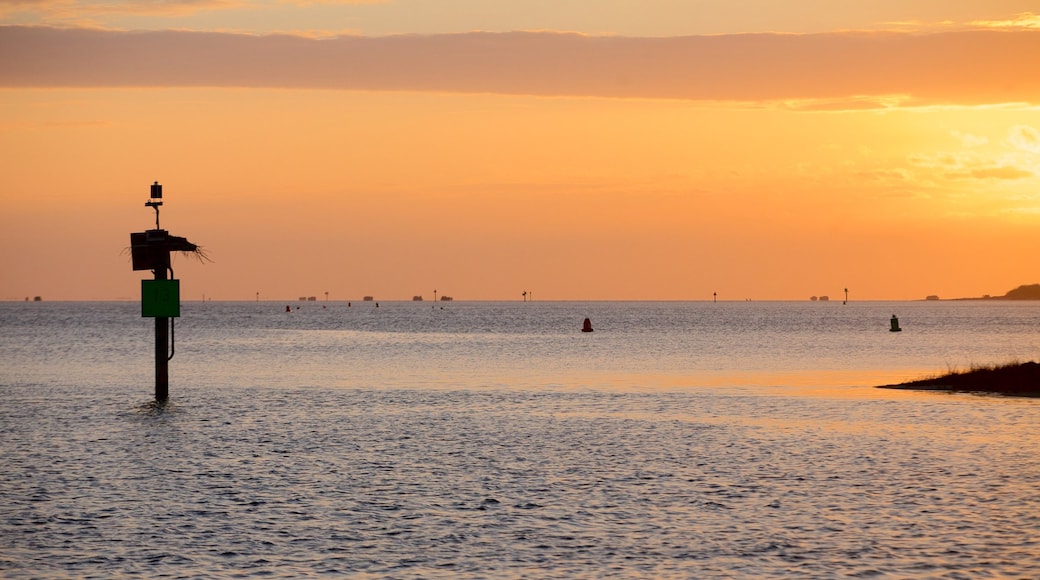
(1020, 379)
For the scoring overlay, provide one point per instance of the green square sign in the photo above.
(160, 298)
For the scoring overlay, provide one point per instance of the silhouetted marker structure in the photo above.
(587, 326)
(160, 297)
(894, 325)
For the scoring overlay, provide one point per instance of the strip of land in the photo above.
(1015, 379)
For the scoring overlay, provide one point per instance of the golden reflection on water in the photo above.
(845, 384)
(892, 414)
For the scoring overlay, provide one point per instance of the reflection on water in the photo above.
(406, 483)
(489, 441)
(518, 345)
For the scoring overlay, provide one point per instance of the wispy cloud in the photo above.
(80, 11)
(99, 15)
(1024, 20)
(969, 139)
(72, 10)
(1025, 138)
(27, 3)
(822, 71)
(348, 2)
(849, 103)
(999, 172)
(967, 165)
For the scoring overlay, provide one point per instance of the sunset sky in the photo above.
(579, 150)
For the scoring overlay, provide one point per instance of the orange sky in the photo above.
(763, 166)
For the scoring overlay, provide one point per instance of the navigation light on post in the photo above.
(155, 201)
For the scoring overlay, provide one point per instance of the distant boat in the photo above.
(368, 299)
(825, 298)
(417, 299)
(446, 298)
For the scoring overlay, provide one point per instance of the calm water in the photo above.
(486, 440)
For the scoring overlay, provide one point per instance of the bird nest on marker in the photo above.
(177, 244)
(183, 246)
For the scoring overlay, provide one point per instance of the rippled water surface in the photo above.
(494, 440)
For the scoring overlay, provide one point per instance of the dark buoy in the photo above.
(287, 309)
(895, 324)
(587, 326)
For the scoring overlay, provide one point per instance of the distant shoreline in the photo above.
(990, 298)
(559, 300)
(1024, 292)
(1012, 379)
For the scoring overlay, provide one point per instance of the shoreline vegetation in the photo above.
(1017, 379)
(1023, 292)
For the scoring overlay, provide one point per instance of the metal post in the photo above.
(162, 348)
(160, 298)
